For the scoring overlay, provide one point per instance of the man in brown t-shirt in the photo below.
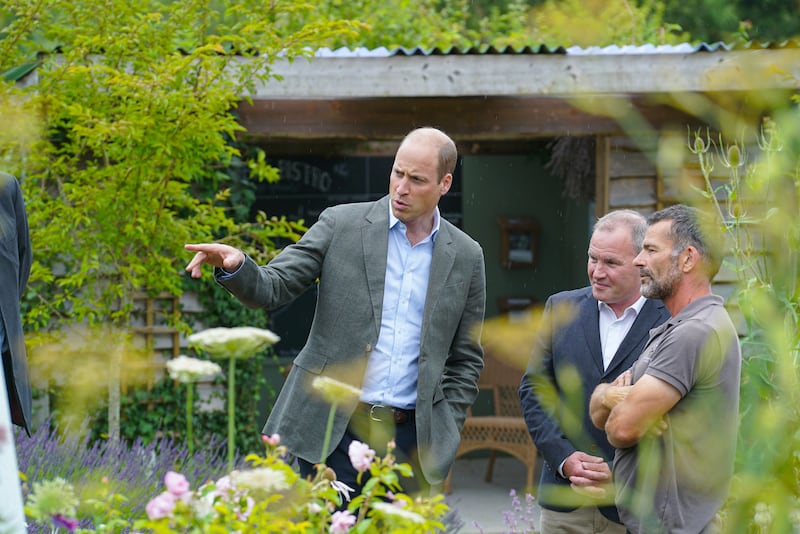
(673, 418)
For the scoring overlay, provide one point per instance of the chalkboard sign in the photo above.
(307, 187)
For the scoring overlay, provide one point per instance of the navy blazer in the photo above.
(562, 353)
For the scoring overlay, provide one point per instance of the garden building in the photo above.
(549, 139)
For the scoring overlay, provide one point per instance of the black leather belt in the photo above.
(377, 412)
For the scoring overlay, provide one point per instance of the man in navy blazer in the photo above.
(591, 335)
(401, 297)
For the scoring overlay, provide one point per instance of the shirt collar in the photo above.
(393, 221)
(636, 306)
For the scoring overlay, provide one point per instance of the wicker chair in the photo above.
(505, 430)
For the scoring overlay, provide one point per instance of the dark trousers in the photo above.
(376, 434)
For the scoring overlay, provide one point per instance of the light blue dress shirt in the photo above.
(391, 374)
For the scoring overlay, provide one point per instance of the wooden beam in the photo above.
(467, 119)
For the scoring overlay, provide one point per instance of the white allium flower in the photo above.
(239, 342)
(794, 517)
(335, 391)
(392, 510)
(51, 497)
(260, 479)
(203, 505)
(763, 515)
(187, 370)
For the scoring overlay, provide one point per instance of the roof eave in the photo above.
(532, 75)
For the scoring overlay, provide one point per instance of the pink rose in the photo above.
(224, 485)
(160, 507)
(176, 483)
(342, 522)
(242, 515)
(361, 455)
(272, 440)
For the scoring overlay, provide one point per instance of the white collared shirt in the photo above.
(613, 329)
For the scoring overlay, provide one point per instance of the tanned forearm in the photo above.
(598, 410)
(604, 399)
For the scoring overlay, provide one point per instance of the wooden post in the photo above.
(602, 149)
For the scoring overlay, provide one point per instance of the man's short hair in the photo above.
(631, 219)
(448, 154)
(693, 227)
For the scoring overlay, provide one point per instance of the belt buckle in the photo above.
(372, 412)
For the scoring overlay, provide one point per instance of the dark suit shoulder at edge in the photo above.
(572, 294)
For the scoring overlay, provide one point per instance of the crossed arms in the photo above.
(628, 412)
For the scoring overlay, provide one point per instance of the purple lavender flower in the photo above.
(135, 470)
(59, 521)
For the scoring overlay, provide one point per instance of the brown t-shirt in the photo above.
(678, 481)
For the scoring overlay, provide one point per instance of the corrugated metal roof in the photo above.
(684, 48)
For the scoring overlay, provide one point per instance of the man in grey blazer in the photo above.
(401, 297)
(606, 327)
(15, 267)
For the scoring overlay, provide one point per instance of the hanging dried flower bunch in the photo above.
(573, 160)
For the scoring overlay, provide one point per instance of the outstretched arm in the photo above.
(215, 254)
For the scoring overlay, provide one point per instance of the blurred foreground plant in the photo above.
(266, 496)
(100, 472)
(233, 343)
(754, 186)
(188, 371)
(271, 497)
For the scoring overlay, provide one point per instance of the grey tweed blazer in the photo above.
(345, 253)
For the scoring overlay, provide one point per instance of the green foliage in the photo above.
(266, 495)
(271, 497)
(733, 20)
(499, 23)
(601, 22)
(136, 118)
(136, 153)
(757, 201)
(150, 412)
(147, 413)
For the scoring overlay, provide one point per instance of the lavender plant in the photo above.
(521, 519)
(102, 471)
(265, 495)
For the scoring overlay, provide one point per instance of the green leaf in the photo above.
(19, 72)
